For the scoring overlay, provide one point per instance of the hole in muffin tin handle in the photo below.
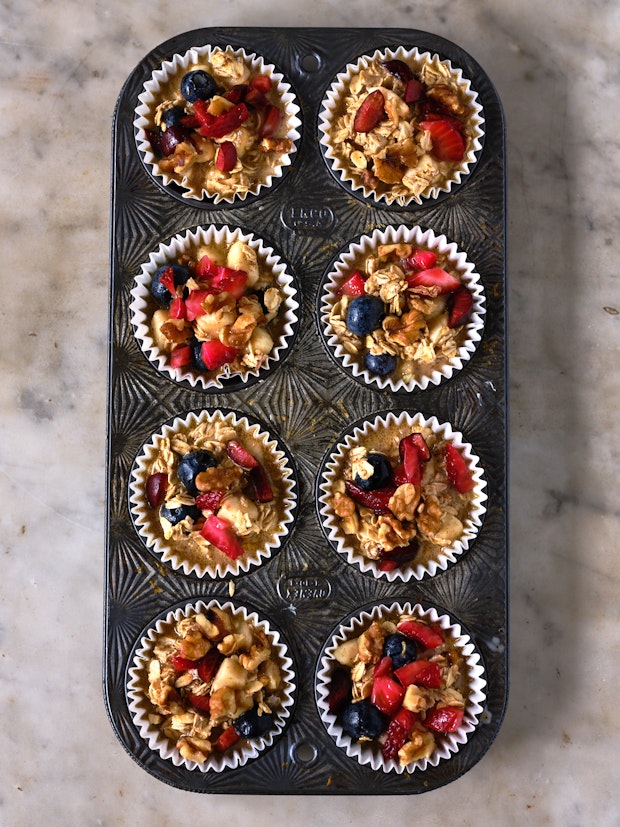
(303, 753)
(310, 63)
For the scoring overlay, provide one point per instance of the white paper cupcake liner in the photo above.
(146, 521)
(369, 753)
(178, 65)
(415, 59)
(332, 471)
(458, 261)
(140, 706)
(142, 305)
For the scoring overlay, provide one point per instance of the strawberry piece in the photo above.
(237, 93)
(225, 123)
(208, 665)
(256, 99)
(354, 285)
(231, 281)
(398, 732)
(261, 487)
(441, 115)
(193, 304)
(215, 354)
(428, 636)
(156, 485)
(448, 143)
(377, 500)
(271, 120)
(182, 664)
(181, 356)
(262, 83)
(219, 533)
(226, 156)
(446, 719)
(387, 694)
(228, 737)
(410, 468)
(201, 703)
(400, 69)
(206, 267)
(371, 111)
(383, 668)
(434, 277)
(240, 455)
(420, 672)
(202, 114)
(339, 690)
(460, 304)
(167, 280)
(414, 91)
(396, 557)
(210, 500)
(420, 443)
(457, 470)
(177, 309)
(420, 260)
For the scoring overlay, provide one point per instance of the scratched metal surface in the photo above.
(306, 589)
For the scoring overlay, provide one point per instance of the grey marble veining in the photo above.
(555, 67)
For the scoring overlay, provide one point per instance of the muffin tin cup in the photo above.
(143, 305)
(302, 586)
(178, 65)
(331, 471)
(141, 708)
(369, 752)
(145, 519)
(348, 176)
(352, 363)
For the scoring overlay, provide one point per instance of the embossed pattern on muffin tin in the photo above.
(307, 589)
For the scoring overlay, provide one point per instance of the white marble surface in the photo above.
(555, 66)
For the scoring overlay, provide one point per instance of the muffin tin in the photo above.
(306, 590)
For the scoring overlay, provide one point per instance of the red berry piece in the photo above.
(414, 91)
(434, 277)
(237, 93)
(377, 500)
(219, 533)
(201, 703)
(230, 281)
(261, 487)
(446, 719)
(448, 143)
(339, 690)
(396, 557)
(460, 304)
(215, 354)
(193, 304)
(205, 268)
(182, 664)
(271, 120)
(421, 673)
(428, 636)
(398, 732)
(210, 500)
(353, 285)
(226, 156)
(177, 309)
(225, 123)
(181, 356)
(262, 83)
(370, 113)
(420, 260)
(156, 485)
(400, 69)
(226, 740)
(208, 665)
(410, 468)
(240, 455)
(387, 694)
(457, 470)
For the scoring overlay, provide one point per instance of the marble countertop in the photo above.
(554, 65)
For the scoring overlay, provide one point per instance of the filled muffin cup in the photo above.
(400, 687)
(210, 686)
(213, 493)
(401, 309)
(219, 124)
(400, 127)
(215, 307)
(400, 496)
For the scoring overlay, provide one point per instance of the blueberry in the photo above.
(196, 346)
(363, 720)
(380, 364)
(365, 314)
(161, 293)
(191, 465)
(400, 648)
(198, 85)
(176, 515)
(252, 725)
(172, 116)
(381, 476)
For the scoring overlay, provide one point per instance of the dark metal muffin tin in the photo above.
(307, 588)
